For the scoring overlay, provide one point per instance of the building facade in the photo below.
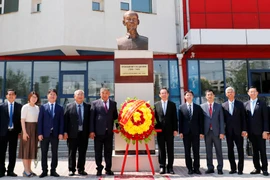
(68, 45)
(227, 44)
(197, 44)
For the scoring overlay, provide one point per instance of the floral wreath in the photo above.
(136, 121)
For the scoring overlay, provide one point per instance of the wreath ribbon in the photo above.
(131, 111)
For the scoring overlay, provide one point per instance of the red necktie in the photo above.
(210, 113)
(210, 110)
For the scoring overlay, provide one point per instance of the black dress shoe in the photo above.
(99, 173)
(162, 171)
(209, 171)
(83, 173)
(43, 174)
(171, 171)
(232, 172)
(71, 173)
(220, 172)
(110, 173)
(54, 174)
(240, 172)
(255, 171)
(12, 174)
(265, 173)
(190, 171)
(197, 171)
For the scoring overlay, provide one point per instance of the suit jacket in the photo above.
(258, 122)
(71, 120)
(235, 123)
(195, 125)
(168, 122)
(4, 118)
(44, 118)
(217, 119)
(99, 118)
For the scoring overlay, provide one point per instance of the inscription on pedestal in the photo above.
(134, 70)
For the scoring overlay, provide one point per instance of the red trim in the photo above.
(184, 70)
(73, 58)
(57, 58)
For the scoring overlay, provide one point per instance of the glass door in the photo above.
(70, 82)
(261, 80)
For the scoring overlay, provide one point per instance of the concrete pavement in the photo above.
(179, 168)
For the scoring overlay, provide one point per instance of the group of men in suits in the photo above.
(236, 120)
(80, 121)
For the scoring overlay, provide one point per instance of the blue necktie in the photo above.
(80, 116)
(10, 116)
(253, 107)
(51, 110)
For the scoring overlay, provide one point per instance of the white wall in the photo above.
(69, 25)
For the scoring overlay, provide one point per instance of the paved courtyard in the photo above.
(179, 168)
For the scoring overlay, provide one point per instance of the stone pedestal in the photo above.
(132, 79)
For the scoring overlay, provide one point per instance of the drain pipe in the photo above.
(179, 23)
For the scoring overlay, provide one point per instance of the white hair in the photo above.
(78, 91)
(229, 88)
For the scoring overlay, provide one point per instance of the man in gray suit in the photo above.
(213, 131)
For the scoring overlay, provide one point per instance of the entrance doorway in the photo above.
(261, 80)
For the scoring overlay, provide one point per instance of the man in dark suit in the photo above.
(235, 129)
(213, 131)
(258, 127)
(166, 117)
(10, 127)
(191, 129)
(50, 130)
(103, 113)
(77, 120)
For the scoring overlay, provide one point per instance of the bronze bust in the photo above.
(132, 40)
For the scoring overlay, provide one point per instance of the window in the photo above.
(141, 5)
(236, 75)
(100, 74)
(125, 6)
(73, 65)
(36, 6)
(1, 6)
(211, 76)
(98, 5)
(145, 6)
(1, 79)
(18, 77)
(46, 76)
(9, 6)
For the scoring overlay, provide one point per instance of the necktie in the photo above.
(210, 113)
(253, 107)
(231, 108)
(210, 110)
(189, 111)
(164, 107)
(105, 106)
(51, 111)
(10, 115)
(80, 115)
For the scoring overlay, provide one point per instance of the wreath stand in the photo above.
(137, 155)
